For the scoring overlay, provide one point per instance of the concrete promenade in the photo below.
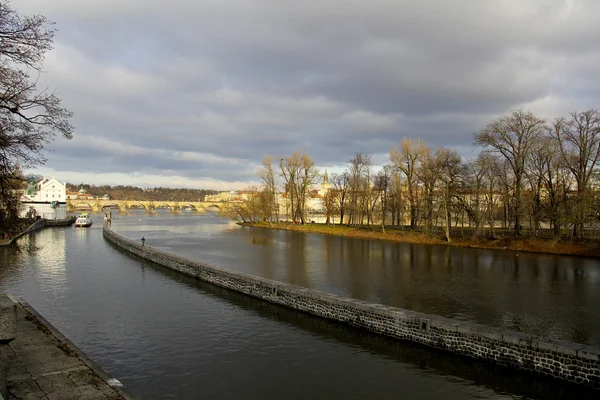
(43, 364)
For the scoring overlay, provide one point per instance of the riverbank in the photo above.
(503, 241)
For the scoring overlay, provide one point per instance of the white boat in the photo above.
(83, 220)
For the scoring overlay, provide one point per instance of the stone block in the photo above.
(543, 345)
(569, 349)
(491, 335)
(8, 319)
(588, 353)
(528, 343)
(511, 339)
(444, 325)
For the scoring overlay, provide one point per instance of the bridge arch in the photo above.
(173, 206)
(87, 205)
(122, 207)
(139, 204)
(196, 209)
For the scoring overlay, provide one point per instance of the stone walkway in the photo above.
(43, 364)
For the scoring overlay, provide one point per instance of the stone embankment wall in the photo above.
(563, 360)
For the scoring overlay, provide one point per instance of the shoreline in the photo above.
(589, 248)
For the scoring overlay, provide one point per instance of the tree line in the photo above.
(531, 173)
(121, 192)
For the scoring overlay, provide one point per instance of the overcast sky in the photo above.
(186, 93)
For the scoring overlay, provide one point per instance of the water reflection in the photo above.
(548, 295)
(169, 336)
(47, 251)
(491, 381)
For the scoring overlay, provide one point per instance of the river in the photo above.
(168, 336)
(547, 295)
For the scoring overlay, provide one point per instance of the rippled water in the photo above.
(547, 295)
(167, 336)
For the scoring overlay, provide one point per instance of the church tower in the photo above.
(325, 186)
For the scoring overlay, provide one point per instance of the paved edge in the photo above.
(114, 383)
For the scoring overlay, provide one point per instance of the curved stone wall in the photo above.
(563, 360)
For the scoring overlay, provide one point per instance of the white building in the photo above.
(47, 198)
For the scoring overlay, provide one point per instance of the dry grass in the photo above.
(460, 238)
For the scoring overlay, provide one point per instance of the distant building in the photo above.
(313, 200)
(46, 198)
(325, 186)
(225, 196)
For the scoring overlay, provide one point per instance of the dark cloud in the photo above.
(206, 89)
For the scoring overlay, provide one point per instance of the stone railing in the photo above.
(567, 361)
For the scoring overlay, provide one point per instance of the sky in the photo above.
(195, 94)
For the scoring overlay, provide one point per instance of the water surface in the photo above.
(165, 335)
(547, 295)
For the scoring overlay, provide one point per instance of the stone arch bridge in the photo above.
(96, 205)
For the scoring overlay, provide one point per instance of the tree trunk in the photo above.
(517, 211)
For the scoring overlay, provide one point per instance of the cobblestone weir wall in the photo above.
(564, 360)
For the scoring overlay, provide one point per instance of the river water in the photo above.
(168, 336)
(547, 295)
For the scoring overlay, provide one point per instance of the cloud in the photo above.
(207, 89)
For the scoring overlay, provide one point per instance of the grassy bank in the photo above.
(460, 238)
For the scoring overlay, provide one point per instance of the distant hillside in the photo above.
(121, 192)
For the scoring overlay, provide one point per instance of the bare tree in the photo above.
(395, 198)
(428, 173)
(548, 180)
(289, 170)
(470, 197)
(579, 143)
(341, 184)
(330, 202)
(267, 175)
(407, 159)
(452, 174)
(381, 186)
(254, 209)
(309, 176)
(299, 174)
(359, 171)
(512, 136)
(29, 118)
(490, 167)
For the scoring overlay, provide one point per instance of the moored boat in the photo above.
(83, 220)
